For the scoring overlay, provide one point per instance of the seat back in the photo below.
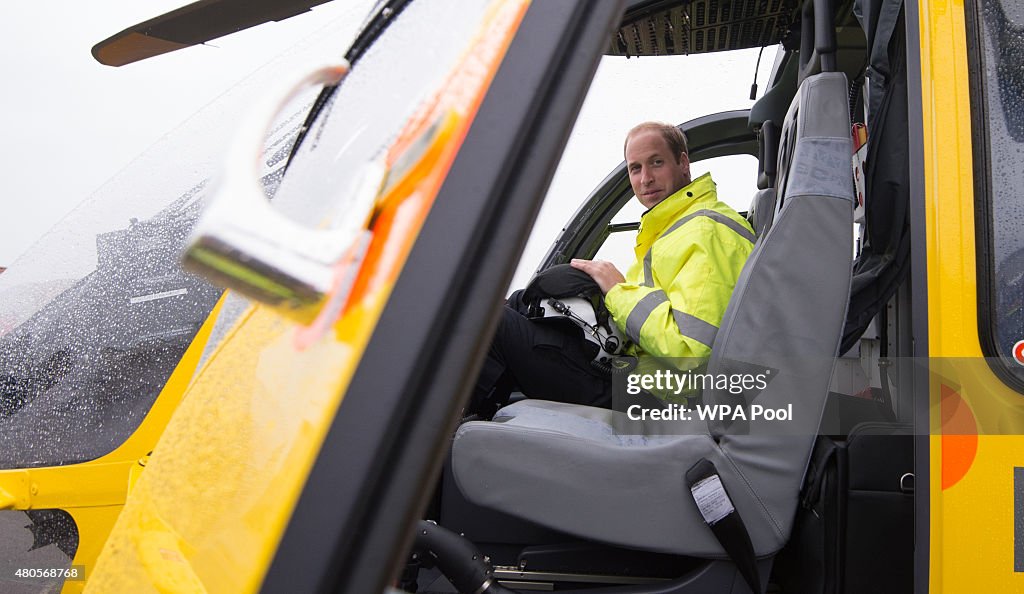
(787, 311)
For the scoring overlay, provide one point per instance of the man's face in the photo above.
(654, 172)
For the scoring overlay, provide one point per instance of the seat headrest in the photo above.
(767, 154)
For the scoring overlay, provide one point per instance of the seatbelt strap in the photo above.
(725, 522)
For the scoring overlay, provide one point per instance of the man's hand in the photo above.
(604, 273)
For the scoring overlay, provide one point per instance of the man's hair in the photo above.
(673, 136)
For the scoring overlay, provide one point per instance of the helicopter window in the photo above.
(96, 316)
(358, 120)
(618, 247)
(1001, 243)
(391, 80)
(93, 320)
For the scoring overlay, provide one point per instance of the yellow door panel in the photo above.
(976, 420)
(207, 512)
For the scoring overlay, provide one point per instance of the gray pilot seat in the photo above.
(596, 475)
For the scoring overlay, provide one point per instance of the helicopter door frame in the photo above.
(384, 448)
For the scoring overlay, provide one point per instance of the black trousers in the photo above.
(545, 359)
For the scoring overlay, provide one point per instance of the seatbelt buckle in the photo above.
(721, 516)
(712, 500)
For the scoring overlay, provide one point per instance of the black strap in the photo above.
(724, 520)
(821, 457)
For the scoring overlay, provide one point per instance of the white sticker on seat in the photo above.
(712, 500)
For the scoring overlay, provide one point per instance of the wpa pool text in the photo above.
(710, 412)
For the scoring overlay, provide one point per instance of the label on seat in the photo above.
(712, 500)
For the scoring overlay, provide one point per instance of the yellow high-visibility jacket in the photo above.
(689, 253)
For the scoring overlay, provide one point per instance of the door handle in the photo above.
(241, 243)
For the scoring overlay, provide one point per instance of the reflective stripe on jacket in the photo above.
(690, 250)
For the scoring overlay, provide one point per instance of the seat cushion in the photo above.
(596, 474)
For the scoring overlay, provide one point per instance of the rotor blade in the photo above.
(193, 24)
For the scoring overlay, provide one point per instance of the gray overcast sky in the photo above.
(71, 123)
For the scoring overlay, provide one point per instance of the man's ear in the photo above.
(684, 160)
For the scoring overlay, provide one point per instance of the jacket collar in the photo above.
(661, 215)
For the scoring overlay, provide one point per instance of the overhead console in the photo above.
(667, 27)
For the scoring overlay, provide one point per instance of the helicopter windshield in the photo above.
(96, 315)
